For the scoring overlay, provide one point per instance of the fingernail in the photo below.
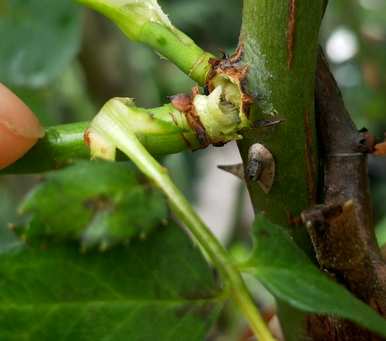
(17, 117)
(19, 128)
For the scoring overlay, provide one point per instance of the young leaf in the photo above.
(287, 272)
(101, 203)
(157, 289)
(38, 40)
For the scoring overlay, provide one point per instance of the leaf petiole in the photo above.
(112, 132)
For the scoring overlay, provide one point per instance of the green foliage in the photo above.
(38, 40)
(146, 290)
(157, 289)
(101, 203)
(287, 272)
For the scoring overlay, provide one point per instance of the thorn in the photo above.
(224, 55)
(236, 170)
(267, 123)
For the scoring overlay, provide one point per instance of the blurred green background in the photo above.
(65, 62)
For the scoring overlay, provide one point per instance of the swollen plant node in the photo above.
(219, 117)
(189, 122)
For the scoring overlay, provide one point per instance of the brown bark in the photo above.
(341, 228)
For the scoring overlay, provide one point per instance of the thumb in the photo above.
(19, 127)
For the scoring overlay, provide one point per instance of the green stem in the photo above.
(163, 130)
(61, 145)
(184, 53)
(144, 22)
(281, 41)
(281, 44)
(111, 129)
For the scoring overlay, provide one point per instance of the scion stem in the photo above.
(164, 130)
(185, 54)
(60, 145)
(144, 22)
(161, 130)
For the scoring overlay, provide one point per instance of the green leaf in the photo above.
(158, 289)
(101, 203)
(38, 40)
(287, 272)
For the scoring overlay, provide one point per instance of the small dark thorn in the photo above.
(267, 123)
(224, 55)
(219, 144)
(236, 170)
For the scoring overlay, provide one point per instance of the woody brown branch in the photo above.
(341, 228)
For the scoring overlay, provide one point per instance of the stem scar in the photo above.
(291, 32)
(184, 103)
